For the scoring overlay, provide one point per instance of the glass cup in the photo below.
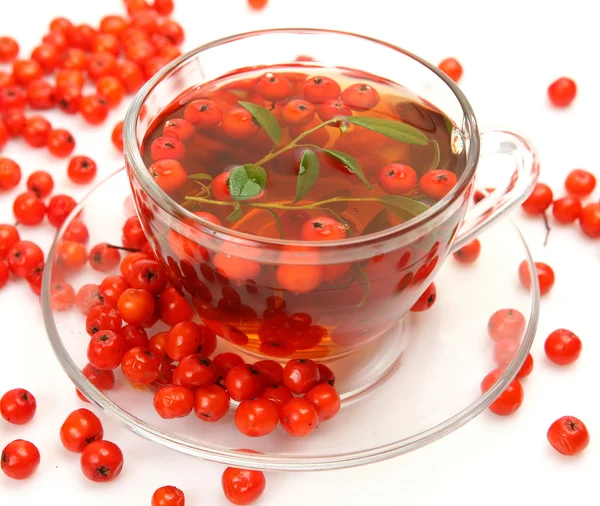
(386, 272)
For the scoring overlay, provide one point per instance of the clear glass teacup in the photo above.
(387, 271)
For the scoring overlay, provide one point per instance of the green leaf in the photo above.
(351, 164)
(277, 222)
(404, 207)
(307, 175)
(265, 119)
(436, 156)
(378, 223)
(246, 181)
(362, 278)
(391, 128)
(449, 125)
(200, 176)
(236, 214)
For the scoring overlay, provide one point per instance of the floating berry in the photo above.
(562, 92)
(20, 459)
(238, 123)
(567, 209)
(540, 199)
(563, 347)
(319, 89)
(298, 113)
(273, 87)
(589, 220)
(510, 400)
(333, 108)
(397, 179)
(18, 406)
(544, 273)
(81, 428)
(426, 300)
(169, 175)
(323, 228)
(452, 68)
(299, 278)
(360, 97)
(101, 461)
(568, 435)
(580, 183)
(437, 183)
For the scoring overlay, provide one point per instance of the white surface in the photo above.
(510, 51)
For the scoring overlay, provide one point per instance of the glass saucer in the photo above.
(416, 384)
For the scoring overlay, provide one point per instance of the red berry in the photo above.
(298, 113)
(320, 89)
(510, 400)
(540, 199)
(107, 43)
(169, 175)
(41, 94)
(426, 300)
(589, 220)
(34, 278)
(171, 29)
(174, 402)
(562, 92)
(271, 372)
(397, 179)
(195, 371)
(87, 298)
(469, 253)
(326, 375)
(568, 435)
(81, 36)
(325, 399)
(62, 296)
(60, 25)
(567, 209)
(136, 306)
(18, 406)
(59, 208)
(40, 183)
(23, 257)
(242, 486)
(104, 258)
(60, 143)
(26, 71)
(506, 324)
(149, 275)
(173, 308)
(9, 236)
(202, 114)
(101, 461)
(238, 123)
(58, 39)
(68, 99)
(505, 351)
(36, 131)
(164, 8)
(9, 49)
(332, 108)
(220, 187)
(134, 335)
(81, 169)
(273, 87)
(226, 361)
(29, 209)
(300, 375)
(278, 394)
(526, 368)
(101, 65)
(111, 89)
(14, 120)
(140, 365)
(102, 318)
(131, 75)
(178, 128)
(70, 79)
(437, 183)
(256, 417)
(102, 380)
(544, 273)
(77, 231)
(94, 109)
(10, 174)
(19, 459)
(243, 382)
(106, 350)
(452, 68)
(562, 347)
(299, 417)
(211, 403)
(81, 428)
(580, 183)
(323, 228)
(360, 97)
(4, 274)
(117, 136)
(168, 495)
(184, 339)
(74, 59)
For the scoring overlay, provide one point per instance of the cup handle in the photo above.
(497, 202)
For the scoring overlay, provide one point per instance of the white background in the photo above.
(511, 51)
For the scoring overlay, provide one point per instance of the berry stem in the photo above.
(294, 142)
(123, 248)
(547, 225)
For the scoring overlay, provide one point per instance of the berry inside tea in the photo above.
(303, 156)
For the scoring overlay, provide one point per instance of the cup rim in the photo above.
(137, 166)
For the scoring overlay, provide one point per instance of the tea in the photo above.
(301, 154)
